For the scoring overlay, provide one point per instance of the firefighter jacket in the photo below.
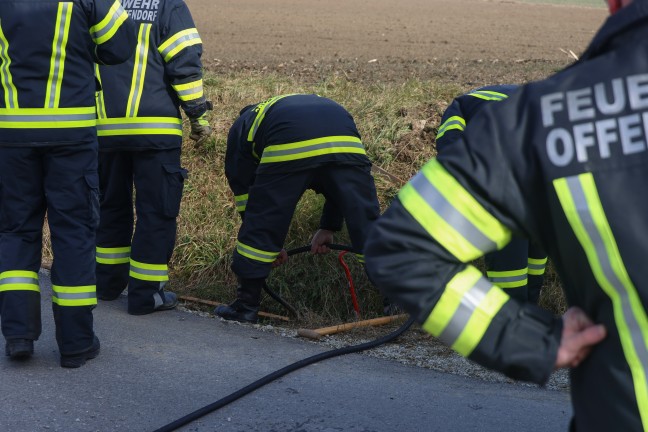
(139, 105)
(463, 108)
(291, 133)
(563, 162)
(48, 50)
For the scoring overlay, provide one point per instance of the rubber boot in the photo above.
(246, 306)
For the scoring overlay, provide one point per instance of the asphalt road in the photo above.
(157, 368)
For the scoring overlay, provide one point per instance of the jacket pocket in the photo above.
(92, 180)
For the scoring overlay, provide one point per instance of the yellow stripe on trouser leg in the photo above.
(85, 295)
(114, 255)
(149, 272)
(256, 254)
(19, 280)
(508, 278)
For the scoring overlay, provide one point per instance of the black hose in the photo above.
(281, 372)
(291, 252)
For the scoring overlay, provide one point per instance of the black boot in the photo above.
(246, 306)
(19, 349)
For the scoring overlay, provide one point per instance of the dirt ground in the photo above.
(466, 41)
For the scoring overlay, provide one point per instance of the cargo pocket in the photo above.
(92, 180)
(175, 177)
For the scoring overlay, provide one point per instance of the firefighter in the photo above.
(140, 139)
(48, 161)
(520, 266)
(276, 150)
(563, 162)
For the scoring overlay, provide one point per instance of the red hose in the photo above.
(354, 299)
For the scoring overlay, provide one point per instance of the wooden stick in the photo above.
(318, 333)
(213, 303)
(392, 177)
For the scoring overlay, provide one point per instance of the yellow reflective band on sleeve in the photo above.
(101, 106)
(255, 254)
(74, 295)
(114, 255)
(241, 202)
(537, 266)
(19, 280)
(261, 110)
(360, 258)
(582, 205)
(10, 92)
(509, 278)
(177, 42)
(454, 122)
(57, 61)
(189, 91)
(108, 26)
(465, 310)
(451, 215)
(139, 126)
(139, 70)
(488, 95)
(149, 272)
(47, 118)
(311, 148)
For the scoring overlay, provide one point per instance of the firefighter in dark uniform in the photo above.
(519, 267)
(140, 139)
(48, 162)
(276, 150)
(563, 162)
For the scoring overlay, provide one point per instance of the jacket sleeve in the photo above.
(240, 167)
(452, 126)
(112, 31)
(455, 210)
(181, 49)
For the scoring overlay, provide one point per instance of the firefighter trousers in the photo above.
(271, 203)
(518, 269)
(137, 257)
(62, 181)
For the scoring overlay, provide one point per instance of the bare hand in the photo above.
(281, 259)
(319, 241)
(579, 335)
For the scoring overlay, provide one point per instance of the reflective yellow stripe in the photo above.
(261, 110)
(108, 26)
(451, 215)
(47, 118)
(139, 70)
(465, 310)
(189, 91)
(139, 126)
(537, 266)
(10, 92)
(19, 280)
(311, 148)
(256, 254)
(101, 106)
(85, 295)
(57, 61)
(360, 258)
(241, 202)
(177, 42)
(115, 255)
(508, 278)
(488, 95)
(454, 122)
(582, 205)
(149, 272)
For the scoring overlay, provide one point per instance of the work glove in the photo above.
(200, 129)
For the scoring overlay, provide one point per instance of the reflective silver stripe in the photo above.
(450, 214)
(327, 145)
(537, 266)
(113, 255)
(496, 279)
(449, 123)
(140, 66)
(109, 26)
(190, 91)
(45, 118)
(470, 301)
(181, 40)
(59, 49)
(18, 280)
(580, 201)
(148, 272)
(253, 253)
(73, 296)
(136, 125)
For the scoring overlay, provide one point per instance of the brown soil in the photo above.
(469, 42)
